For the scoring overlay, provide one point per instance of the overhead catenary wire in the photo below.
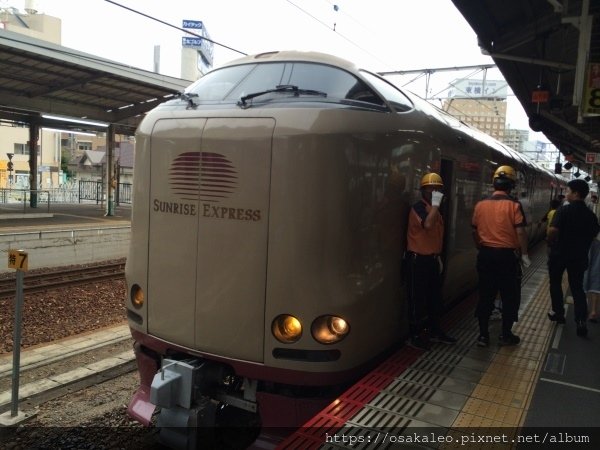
(423, 72)
(336, 32)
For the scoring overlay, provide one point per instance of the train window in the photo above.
(337, 83)
(392, 94)
(263, 77)
(231, 83)
(215, 85)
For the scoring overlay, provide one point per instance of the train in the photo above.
(270, 204)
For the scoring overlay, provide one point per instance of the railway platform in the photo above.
(67, 234)
(544, 391)
(18, 216)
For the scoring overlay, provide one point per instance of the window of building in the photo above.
(20, 149)
(84, 145)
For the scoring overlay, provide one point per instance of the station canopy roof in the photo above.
(542, 48)
(41, 82)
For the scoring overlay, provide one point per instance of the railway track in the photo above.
(70, 365)
(39, 282)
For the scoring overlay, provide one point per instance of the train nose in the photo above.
(210, 191)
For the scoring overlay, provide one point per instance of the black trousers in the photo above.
(424, 292)
(499, 271)
(575, 270)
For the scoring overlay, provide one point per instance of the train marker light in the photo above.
(329, 329)
(286, 328)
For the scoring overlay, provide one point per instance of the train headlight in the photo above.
(286, 328)
(137, 296)
(329, 329)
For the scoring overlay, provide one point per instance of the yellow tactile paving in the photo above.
(523, 350)
(503, 394)
(508, 371)
(502, 382)
(467, 420)
(511, 360)
(500, 396)
(507, 415)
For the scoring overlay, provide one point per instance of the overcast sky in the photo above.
(380, 35)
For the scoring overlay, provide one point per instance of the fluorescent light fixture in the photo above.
(69, 131)
(75, 120)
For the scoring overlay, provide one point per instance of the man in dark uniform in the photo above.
(572, 230)
(499, 234)
(424, 246)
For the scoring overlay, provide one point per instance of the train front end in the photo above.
(263, 268)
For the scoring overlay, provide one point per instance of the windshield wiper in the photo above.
(188, 97)
(281, 88)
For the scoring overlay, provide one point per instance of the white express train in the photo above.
(269, 222)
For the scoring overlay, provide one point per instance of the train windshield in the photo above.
(230, 84)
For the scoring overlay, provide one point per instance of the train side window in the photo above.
(337, 83)
(399, 101)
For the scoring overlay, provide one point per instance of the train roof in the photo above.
(295, 55)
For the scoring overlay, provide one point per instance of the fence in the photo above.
(94, 191)
(24, 195)
(74, 193)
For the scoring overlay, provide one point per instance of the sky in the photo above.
(379, 35)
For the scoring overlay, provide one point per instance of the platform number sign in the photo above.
(591, 101)
(17, 259)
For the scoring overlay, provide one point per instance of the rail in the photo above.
(39, 282)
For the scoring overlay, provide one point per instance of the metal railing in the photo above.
(24, 195)
(75, 193)
(94, 191)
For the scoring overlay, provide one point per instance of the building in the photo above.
(90, 165)
(479, 103)
(14, 138)
(516, 139)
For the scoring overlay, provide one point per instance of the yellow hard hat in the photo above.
(431, 179)
(505, 172)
